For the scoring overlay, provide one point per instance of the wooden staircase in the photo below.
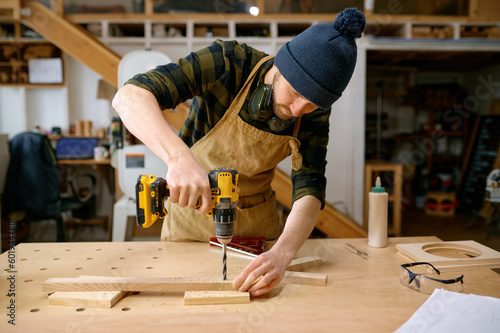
(72, 39)
(91, 52)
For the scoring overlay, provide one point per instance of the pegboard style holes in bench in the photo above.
(114, 267)
(35, 310)
(23, 259)
(135, 292)
(149, 267)
(80, 309)
(67, 250)
(121, 258)
(126, 309)
(43, 269)
(90, 258)
(78, 268)
(28, 281)
(98, 249)
(57, 258)
(451, 250)
(36, 250)
(156, 257)
(129, 249)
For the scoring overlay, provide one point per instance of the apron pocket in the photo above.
(260, 220)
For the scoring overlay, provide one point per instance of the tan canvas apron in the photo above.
(232, 143)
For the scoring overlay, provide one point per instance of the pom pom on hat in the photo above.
(350, 22)
(319, 62)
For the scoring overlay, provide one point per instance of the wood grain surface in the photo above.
(360, 295)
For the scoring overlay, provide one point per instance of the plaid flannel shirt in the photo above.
(212, 77)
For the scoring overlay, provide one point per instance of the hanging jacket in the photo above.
(32, 182)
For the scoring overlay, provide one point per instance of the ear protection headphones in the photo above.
(261, 108)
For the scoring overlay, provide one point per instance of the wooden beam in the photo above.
(105, 283)
(81, 45)
(149, 7)
(301, 264)
(291, 17)
(94, 299)
(216, 297)
(261, 4)
(312, 279)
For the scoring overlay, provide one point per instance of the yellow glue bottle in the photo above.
(377, 215)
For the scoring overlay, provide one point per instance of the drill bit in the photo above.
(224, 259)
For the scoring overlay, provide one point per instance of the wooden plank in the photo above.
(302, 264)
(105, 283)
(94, 299)
(216, 297)
(312, 279)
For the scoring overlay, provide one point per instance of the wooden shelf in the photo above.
(14, 61)
(89, 161)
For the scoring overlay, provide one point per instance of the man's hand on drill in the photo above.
(263, 273)
(187, 182)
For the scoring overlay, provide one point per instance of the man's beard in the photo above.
(280, 110)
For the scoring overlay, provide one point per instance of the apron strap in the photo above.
(296, 127)
(240, 99)
(246, 87)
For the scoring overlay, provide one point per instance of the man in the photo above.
(249, 111)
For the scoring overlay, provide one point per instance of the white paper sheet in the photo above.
(446, 311)
(45, 70)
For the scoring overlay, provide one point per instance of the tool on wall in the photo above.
(151, 193)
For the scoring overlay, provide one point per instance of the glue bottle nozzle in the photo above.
(378, 186)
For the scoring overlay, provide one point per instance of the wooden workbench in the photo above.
(361, 295)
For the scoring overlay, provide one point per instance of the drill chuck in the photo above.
(224, 217)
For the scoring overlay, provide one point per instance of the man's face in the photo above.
(288, 103)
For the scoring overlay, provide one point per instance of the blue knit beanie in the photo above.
(319, 62)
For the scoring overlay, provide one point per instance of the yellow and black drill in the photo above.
(151, 193)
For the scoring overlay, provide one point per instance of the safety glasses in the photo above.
(426, 284)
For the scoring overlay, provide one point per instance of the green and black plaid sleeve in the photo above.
(212, 77)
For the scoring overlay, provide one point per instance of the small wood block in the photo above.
(302, 264)
(312, 279)
(216, 297)
(94, 299)
(105, 283)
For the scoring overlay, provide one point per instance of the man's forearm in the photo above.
(299, 225)
(143, 117)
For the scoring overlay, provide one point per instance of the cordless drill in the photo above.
(151, 193)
